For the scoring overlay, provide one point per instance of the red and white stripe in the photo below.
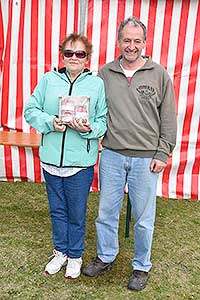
(30, 33)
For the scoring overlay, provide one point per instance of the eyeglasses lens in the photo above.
(78, 54)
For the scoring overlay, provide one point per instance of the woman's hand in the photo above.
(80, 126)
(58, 125)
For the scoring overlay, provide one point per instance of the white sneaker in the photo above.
(56, 263)
(73, 269)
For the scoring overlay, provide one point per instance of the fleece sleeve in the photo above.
(168, 123)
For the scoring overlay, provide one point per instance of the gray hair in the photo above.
(132, 21)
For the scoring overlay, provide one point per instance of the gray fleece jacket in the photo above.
(141, 113)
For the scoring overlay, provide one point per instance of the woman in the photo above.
(68, 152)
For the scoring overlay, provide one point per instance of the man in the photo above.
(141, 134)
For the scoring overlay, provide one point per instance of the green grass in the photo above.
(26, 244)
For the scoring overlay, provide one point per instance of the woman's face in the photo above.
(75, 64)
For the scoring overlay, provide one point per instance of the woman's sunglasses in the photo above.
(78, 54)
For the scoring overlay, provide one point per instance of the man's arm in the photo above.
(168, 123)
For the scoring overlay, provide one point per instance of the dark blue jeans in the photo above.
(67, 198)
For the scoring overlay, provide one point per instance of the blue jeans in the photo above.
(67, 198)
(115, 171)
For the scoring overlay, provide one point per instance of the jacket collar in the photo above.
(63, 70)
(64, 75)
(115, 65)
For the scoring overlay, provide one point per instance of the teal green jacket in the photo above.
(70, 148)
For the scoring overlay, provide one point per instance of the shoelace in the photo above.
(55, 253)
(97, 262)
(73, 263)
(139, 274)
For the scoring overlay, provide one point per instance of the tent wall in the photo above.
(30, 32)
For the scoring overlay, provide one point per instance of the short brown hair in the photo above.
(73, 37)
(132, 21)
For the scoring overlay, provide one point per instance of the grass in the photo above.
(26, 244)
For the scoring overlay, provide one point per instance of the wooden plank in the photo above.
(19, 139)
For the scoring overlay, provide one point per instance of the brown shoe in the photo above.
(138, 280)
(97, 267)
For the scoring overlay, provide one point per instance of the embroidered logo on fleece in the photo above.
(146, 92)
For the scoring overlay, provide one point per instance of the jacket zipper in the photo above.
(42, 138)
(88, 145)
(64, 134)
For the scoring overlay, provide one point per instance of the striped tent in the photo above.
(30, 32)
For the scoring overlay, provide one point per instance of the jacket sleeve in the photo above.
(34, 109)
(99, 125)
(168, 123)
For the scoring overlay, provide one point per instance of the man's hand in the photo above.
(80, 126)
(58, 125)
(157, 165)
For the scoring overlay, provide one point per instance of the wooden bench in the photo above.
(19, 139)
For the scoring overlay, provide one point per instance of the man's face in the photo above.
(131, 43)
